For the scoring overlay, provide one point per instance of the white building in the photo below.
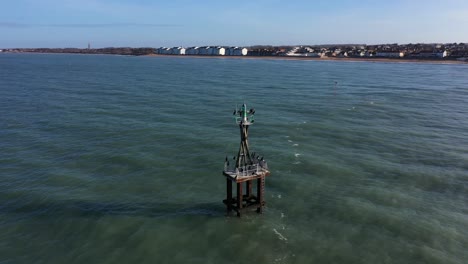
(293, 51)
(442, 54)
(178, 51)
(236, 51)
(342, 54)
(219, 51)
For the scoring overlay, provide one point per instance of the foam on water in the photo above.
(280, 236)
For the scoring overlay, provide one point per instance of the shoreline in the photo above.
(295, 58)
(345, 59)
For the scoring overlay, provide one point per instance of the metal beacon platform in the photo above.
(246, 169)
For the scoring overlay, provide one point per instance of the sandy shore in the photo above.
(396, 60)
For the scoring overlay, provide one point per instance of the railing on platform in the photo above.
(248, 170)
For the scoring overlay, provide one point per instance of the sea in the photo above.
(119, 159)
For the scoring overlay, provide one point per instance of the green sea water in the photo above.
(114, 159)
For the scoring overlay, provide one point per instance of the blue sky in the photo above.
(138, 23)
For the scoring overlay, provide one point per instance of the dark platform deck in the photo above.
(241, 201)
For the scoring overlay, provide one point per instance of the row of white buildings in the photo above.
(210, 51)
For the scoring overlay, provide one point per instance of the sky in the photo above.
(154, 23)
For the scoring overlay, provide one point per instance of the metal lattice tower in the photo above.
(247, 168)
(244, 119)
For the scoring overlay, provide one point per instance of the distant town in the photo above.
(447, 51)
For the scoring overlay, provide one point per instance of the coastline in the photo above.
(295, 58)
(345, 59)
